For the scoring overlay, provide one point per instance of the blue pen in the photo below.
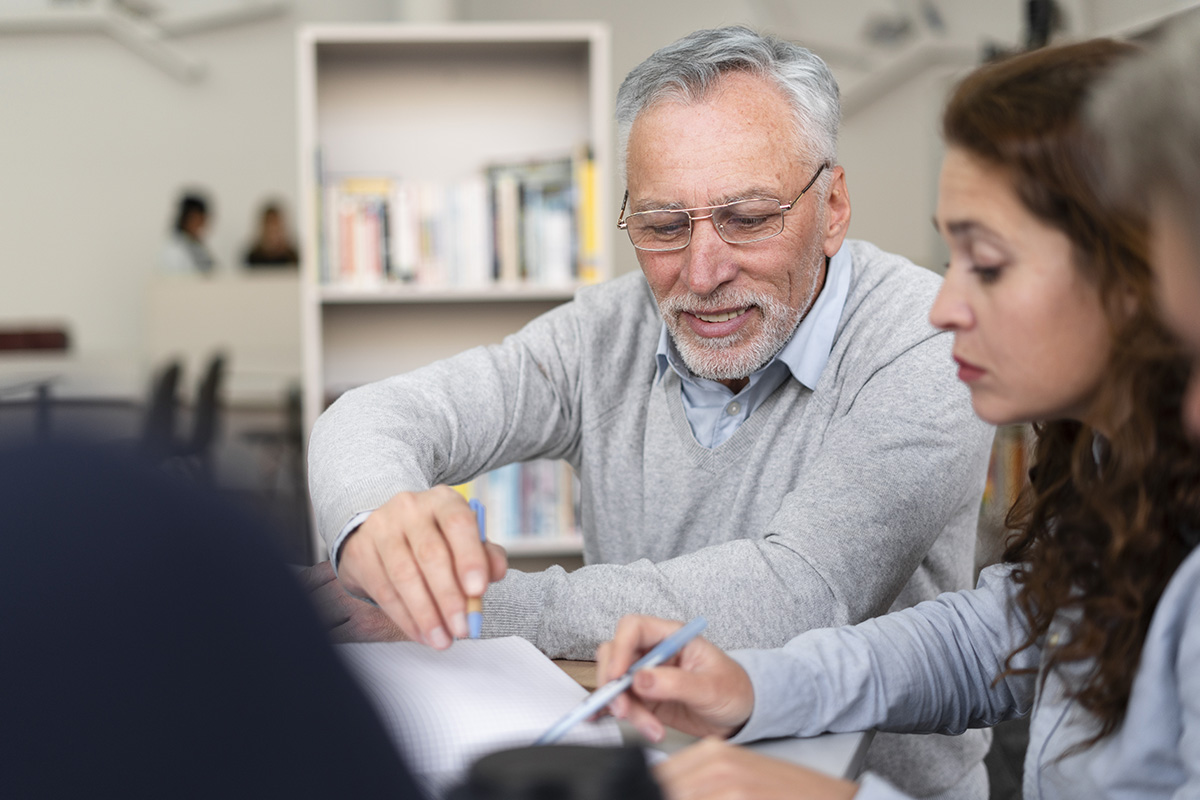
(608, 692)
(475, 604)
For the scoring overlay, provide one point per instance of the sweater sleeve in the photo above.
(901, 461)
(447, 422)
(932, 668)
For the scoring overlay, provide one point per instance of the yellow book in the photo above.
(585, 216)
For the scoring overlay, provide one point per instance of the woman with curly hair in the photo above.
(1091, 624)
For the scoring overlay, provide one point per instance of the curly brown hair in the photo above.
(1106, 520)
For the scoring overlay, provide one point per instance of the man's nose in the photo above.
(710, 259)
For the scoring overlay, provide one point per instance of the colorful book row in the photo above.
(528, 502)
(532, 222)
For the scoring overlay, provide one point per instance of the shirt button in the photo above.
(1054, 640)
(733, 409)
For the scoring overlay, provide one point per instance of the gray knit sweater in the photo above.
(825, 507)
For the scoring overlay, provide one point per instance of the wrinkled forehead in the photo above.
(750, 99)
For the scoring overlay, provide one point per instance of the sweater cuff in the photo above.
(513, 606)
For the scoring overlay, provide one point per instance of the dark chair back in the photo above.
(158, 426)
(206, 420)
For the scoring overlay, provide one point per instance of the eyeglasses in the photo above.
(740, 222)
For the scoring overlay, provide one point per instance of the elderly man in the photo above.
(766, 429)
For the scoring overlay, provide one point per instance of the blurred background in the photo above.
(112, 111)
(168, 169)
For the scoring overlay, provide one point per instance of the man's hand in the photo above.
(714, 770)
(348, 618)
(700, 690)
(419, 557)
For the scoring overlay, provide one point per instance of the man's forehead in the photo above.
(660, 200)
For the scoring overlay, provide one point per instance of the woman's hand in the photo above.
(700, 690)
(714, 770)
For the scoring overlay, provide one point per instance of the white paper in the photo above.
(444, 709)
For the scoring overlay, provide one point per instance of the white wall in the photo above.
(96, 142)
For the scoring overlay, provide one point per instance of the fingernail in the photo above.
(439, 639)
(458, 624)
(643, 680)
(475, 583)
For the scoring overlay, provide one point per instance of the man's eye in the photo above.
(667, 229)
(746, 222)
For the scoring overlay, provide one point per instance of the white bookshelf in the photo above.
(437, 103)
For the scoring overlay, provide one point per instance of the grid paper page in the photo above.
(446, 709)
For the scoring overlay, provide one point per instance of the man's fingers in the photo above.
(367, 624)
(333, 605)
(315, 576)
(497, 558)
(459, 526)
(380, 588)
(419, 557)
(421, 578)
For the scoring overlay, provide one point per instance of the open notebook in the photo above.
(445, 709)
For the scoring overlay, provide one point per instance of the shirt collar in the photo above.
(807, 351)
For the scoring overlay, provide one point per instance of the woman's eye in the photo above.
(986, 274)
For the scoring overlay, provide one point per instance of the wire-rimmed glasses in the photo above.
(739, 222)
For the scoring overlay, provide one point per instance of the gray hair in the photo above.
(1148, 114)
(688, 69)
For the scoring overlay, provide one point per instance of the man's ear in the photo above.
(837, 212)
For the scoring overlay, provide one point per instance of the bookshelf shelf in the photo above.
(454, 115)
(446, 294)
(558, 546)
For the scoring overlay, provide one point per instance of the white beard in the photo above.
(739, 354)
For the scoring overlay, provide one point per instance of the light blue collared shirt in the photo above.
(714, 411)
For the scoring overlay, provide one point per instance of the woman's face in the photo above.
(1030, 337)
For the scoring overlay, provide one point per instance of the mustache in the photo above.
(721, 300)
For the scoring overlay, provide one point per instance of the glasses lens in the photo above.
(749, 220)
(659, 230)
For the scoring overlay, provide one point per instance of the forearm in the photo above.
(748, 600)
(930, 669)
(445, 423)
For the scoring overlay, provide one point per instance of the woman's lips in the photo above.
(968, 372)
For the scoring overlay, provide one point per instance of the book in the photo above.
(528, 503)
(529, 222)
(445, 709)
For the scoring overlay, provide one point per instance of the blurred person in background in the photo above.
(185, 252)
(272, 245)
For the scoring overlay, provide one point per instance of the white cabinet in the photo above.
(441, 105)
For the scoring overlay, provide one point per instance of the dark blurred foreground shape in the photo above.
(155, 645)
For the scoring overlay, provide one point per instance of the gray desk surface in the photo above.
(837, 754)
